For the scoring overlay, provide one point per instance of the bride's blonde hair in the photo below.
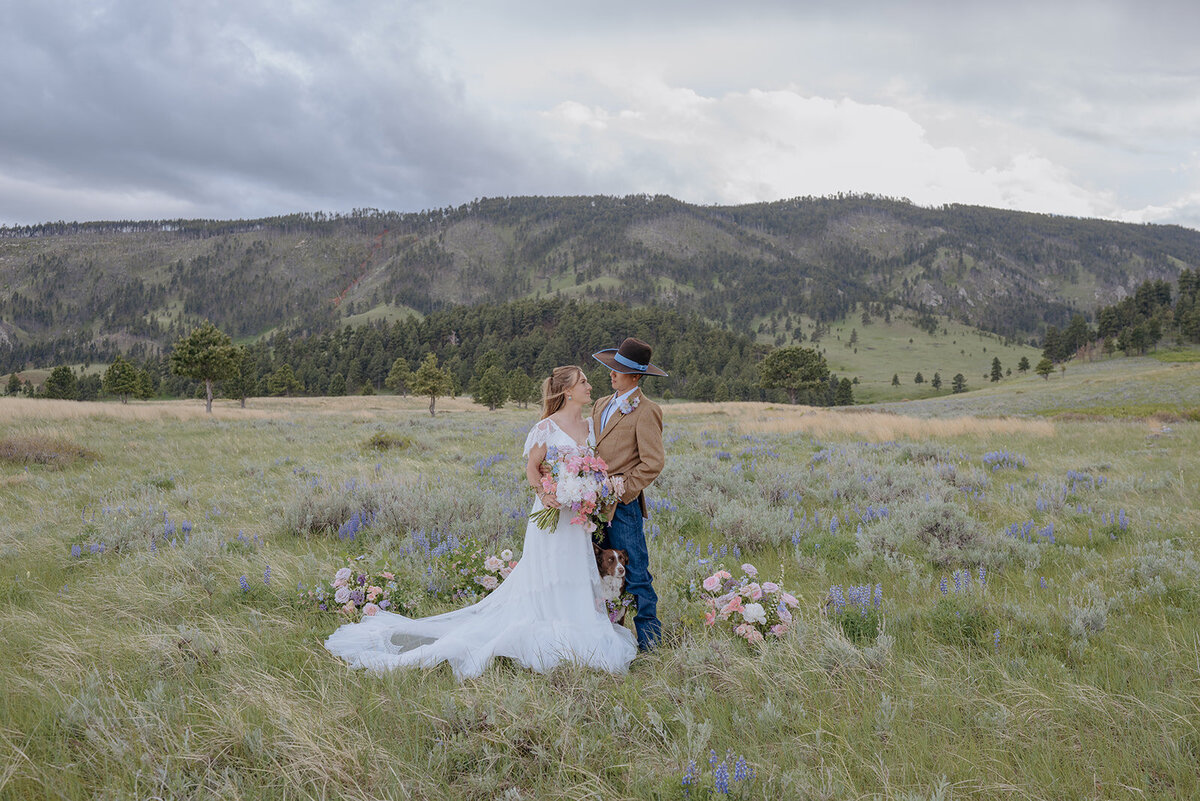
(554, 388)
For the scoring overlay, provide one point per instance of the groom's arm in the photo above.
(651, 453)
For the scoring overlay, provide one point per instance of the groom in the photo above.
(628, 429)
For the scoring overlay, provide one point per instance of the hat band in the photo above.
(641, 368)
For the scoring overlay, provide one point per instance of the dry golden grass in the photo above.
(767, 418)
(17, 409)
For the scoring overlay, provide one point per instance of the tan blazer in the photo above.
(631, 445)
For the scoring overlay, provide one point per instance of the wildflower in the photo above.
(754, 613)
(244, 583)
(1042, 582)
(691, 776)
(267, 575)
(996, 638)
(76, 551)
(721, 779)
(942, 585)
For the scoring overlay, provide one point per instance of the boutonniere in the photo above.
(627, 406)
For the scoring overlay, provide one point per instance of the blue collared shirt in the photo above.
(612, 407)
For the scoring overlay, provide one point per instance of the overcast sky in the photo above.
(151, 109)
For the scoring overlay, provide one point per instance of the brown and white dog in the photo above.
(611, 564)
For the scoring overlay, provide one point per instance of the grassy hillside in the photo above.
(126, 285)
(1036, 635)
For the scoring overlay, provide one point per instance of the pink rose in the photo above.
(785, 615)
(370, 609)
(723, 574)
(505, 572)
(778, 629)
(750, 570)
(735, 605)
(349, 608)
(712, 583)
(710, 618)
(789, 599)
(388, 576)
(754, 636)
(492, 564)
(770, 586)
(488, 582)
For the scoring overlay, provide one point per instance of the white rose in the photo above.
(342, 595)
(754, 613)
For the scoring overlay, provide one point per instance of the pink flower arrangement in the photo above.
(359, 589)
(580, 484)
(473, 573)
(753, 611)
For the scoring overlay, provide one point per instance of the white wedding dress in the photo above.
(546, 612)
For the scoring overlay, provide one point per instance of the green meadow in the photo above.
(1029, 629)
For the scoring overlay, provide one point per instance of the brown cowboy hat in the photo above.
(632, 357)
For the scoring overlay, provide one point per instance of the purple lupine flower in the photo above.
(244, 583)
(267, 575)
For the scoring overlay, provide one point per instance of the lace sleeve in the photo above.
(538, 435)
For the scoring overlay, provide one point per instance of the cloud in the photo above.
(140, 108)
(764, 145)
(259, 108)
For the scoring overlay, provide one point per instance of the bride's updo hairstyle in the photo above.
(554, 388)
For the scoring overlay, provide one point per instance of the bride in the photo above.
(546, 612)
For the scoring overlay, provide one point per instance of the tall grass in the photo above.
(146, 670)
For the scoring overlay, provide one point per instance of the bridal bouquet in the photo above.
(581, 484)
(754, 610)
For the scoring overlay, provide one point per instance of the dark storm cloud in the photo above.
(228, 108)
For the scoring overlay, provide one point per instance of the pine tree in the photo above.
(958, 383)
(399, 376)
(936, 383)
(918, 378)
(120, 379)
(1044, 368)
(491, 390)
(244, 384)
(793, 369)
(431, 381)
(206, 354)
(283, 381)
(895, 379)
(997, 370)
(845, 393)
(521, 388)
(1023, 365)
(61, 384)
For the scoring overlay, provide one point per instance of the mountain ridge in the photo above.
(130, 285)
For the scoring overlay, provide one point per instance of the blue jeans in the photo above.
(625, 533)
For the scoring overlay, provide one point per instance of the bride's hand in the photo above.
(548, 500)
